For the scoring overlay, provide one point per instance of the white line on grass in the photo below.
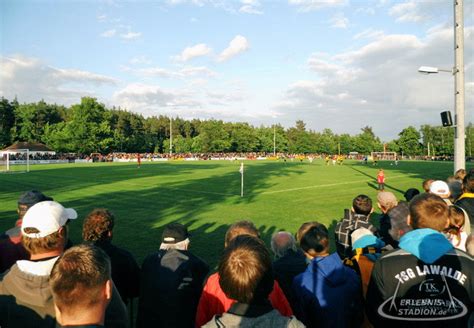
(326, 185)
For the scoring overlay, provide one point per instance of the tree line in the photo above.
(91, 127)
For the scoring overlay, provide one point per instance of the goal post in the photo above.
(384, 155)
(15, 161)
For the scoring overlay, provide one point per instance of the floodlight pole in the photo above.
(459, 134)
(458, 72)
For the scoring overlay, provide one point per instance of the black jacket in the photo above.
(426, 283)
(170, 287)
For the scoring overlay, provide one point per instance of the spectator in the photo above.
(386, 201)
(26, 300)
(455, 184)
(427, 184)
(410, 193)
(328, 292)
(25, 294)
(11, 249)
(398, 222)
(470, 244)
(81, 286)
(171, 282)
(214, 301)
(454, 231)
(245, 271)
(425, 283)
(466, 200)
(289, 261)
(441, 189)
(98, 229)
(367, 249)
(357, 218)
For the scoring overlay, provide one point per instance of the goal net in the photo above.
(384, 155)
(15, 161)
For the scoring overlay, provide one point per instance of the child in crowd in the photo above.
(454, 231)
(381, 180)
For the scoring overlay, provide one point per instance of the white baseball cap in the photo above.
(440, 188)
(47, 217)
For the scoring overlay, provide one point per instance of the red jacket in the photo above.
(213, 301)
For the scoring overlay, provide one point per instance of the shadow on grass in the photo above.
(142, 213)
(145, 208)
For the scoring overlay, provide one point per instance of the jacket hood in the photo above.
(426, 244)
(33, 289)
(331, 268)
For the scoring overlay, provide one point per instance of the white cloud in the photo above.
(109, 33)
(368, 34)
(197, 71)
(339, 21)
(185, 72)
(140, 60)
(130, 35)
(309, 5)
(138, 95)
(238, 45)
(32, 80)
(406, 12)
(102, 18)
(197, 50)
(366, 11)
(415, 11)
(378, 85)
(250, 7)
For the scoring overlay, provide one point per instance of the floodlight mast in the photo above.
(458, 72)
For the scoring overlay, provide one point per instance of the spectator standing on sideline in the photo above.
(387, 202)
(25, 294)
(245, 271)
(357, 217)
(81, 285)
(98, 229)
(466, 200)
(289, 261)
(398, 222)
(425, 283)
(171, 282)
(213, 299)
(441, 189)
(11, 249)
(427, 184)
(381, 180)
(454, 232)
(328, 294)
(410, 193)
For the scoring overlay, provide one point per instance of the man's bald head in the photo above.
(282, 242)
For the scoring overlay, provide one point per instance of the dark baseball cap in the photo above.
(32, 197)
(174, 233)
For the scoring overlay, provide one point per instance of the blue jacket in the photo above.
(328, 294)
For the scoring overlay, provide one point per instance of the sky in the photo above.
(337, 64)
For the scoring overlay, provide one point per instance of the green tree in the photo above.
(366, 142)
(298, 138)
(243, 138)
(214, 136)
(409, 141)
(7, 122)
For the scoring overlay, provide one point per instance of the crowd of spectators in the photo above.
(121, 156)
(414, 268)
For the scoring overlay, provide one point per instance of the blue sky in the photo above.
(335, 64)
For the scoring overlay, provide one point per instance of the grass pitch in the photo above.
(205, 195)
